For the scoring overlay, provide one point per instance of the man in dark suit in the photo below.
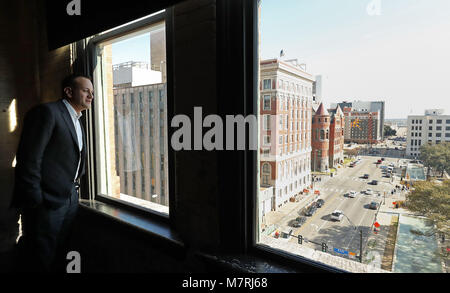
(50, 161)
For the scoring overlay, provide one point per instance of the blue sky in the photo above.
(134, 49)
(400, 56)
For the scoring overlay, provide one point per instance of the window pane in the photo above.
(132, 115)
(329, 211)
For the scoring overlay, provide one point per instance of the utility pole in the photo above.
(360, 246)
(360, 238)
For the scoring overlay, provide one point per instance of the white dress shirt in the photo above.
(75, 119)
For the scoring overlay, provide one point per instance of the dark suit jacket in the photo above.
(47, 157)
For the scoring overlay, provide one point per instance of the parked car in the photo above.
(373, 205)
(374, 182)
(319, 203)
(311, 210)
(297, 223)
(366, 176)
(337, 215)
(301, 220)
(351, 194)
(382, 159)
(369, 191)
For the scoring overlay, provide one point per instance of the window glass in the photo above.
(131, 112)
(361, 231)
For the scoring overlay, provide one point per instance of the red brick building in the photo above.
(327, 139)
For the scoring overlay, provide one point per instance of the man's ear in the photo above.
(68, 91)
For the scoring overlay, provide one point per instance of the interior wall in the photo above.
(29, 74)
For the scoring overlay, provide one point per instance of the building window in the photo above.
(267, 102)
(267, 84)
(125, 150)
(266, 122)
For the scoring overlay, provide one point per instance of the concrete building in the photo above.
(140, 136)
(285, 133)
(317, 91)
(431, 128)
(131, 74)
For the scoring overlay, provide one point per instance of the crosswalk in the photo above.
(341, 190)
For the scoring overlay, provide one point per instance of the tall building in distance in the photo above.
(431, 128)
(364, 121)
(317, 91)
(285, 108)
(140, 129)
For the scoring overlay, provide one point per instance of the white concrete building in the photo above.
(432, 128)
(131, 74)
(285, 132)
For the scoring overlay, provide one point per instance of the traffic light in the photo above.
(324, 247)
(300, 239)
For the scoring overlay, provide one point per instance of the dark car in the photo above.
(373, 205)
(301, 220)
(382, 159)
(320, 203)
(311, 210)
(294, 224)
(374, 182)
(366, 176)
(298, 222)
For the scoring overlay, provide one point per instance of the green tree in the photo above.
(436, 156)
(432, 200)
(388, 131)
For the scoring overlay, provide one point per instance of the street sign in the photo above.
(340, 251)
(376, 224)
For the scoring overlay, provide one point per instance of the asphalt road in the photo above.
(321, 229)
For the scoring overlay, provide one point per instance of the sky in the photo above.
(398, 51)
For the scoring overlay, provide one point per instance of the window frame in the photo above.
(124, 32)
(243, 32)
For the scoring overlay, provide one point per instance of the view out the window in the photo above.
(345, 179)
(131, 116)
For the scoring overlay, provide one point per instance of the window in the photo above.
(267, 84)
(267, 102)
(439, 121)
(130, 154)
(339, 236)
(266, 122)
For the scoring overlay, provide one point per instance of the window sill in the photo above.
(153, 227)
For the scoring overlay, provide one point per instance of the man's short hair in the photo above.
(69, 81)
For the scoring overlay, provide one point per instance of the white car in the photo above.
(337, 215)
(351, 194)
(369, 191)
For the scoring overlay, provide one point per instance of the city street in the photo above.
(343, 235)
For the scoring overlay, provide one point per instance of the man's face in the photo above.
(81, 94)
